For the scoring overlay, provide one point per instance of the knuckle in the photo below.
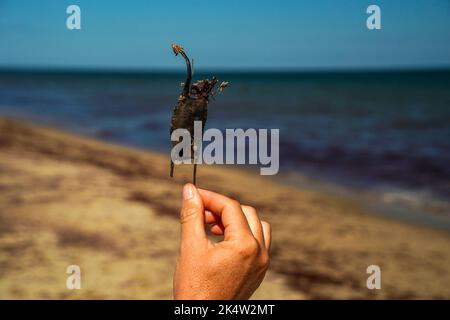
(265, 261)
(250, 248)
(235, 204)
(249, 209)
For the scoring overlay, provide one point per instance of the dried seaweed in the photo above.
(192, 104)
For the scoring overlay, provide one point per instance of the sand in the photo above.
(113, 211)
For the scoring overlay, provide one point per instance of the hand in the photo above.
(231, 269)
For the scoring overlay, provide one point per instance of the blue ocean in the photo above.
(384, 133)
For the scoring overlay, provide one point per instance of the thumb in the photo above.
(192, 216)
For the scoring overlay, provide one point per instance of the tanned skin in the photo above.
(229, 269)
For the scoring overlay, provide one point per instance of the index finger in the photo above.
(230, 211)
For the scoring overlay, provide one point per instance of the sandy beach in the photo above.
(66, 199)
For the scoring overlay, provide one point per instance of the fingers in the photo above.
(211, 218)
(216, 226)
(267, 231)
(225, 218)
(217, 229)
(254, 223)
(231, 214)
(192, 216)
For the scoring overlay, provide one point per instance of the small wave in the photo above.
(422, 201)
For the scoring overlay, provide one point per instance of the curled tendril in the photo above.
(177, 49)
(223, 85)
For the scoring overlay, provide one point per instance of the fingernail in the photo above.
(188, 191)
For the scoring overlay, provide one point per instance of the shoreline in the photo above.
(373, 201)
(114, 208)
(418, 207)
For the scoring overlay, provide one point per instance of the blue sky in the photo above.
(229, 34)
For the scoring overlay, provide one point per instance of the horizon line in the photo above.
(284, 70)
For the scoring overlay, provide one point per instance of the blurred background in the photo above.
(363, 114)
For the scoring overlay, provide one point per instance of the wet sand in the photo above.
(113, 211)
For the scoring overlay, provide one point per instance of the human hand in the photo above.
(231, 269)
